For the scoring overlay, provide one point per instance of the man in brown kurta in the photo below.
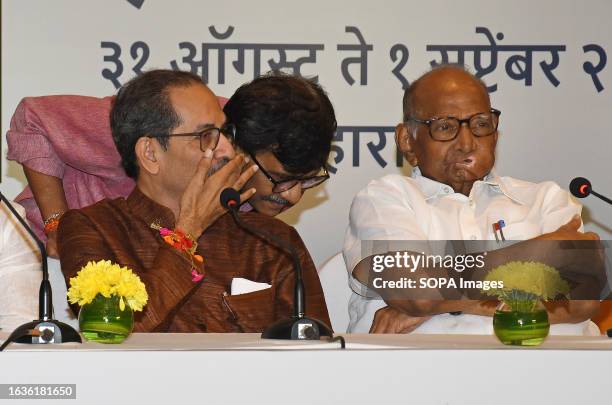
(170, 194)
(118, 230)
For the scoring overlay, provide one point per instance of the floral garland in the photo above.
(185, 243)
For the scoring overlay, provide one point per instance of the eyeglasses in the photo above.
(287, 184)
(209, 137)
(446, 129)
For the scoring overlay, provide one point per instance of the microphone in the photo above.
(45, 329)
(581, 188)
(230, 199)
(298, 327)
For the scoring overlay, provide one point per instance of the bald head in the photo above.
(440, 82)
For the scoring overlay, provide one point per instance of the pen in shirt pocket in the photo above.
(498, 227)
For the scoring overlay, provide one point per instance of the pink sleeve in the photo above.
(29, 145)
(48, 133)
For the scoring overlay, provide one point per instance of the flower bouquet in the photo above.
(107, 294)
(521, 318)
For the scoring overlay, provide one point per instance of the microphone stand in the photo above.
(298, 327)
(601, 197)
(45, 329)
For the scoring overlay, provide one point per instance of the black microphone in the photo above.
(45, 329)
(298, 327)
(581, 188)
(230, 198)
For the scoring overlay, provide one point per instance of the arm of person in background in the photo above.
(49, 194)
(49, 135)
(20, 272)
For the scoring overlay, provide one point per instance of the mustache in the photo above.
(216, 166)
(275, 198)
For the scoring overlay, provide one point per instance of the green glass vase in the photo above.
(102, 320)
(521, 323)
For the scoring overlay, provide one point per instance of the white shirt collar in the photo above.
(432, 188)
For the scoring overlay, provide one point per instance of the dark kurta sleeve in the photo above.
(167, 280)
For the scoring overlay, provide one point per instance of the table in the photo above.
(241, 368)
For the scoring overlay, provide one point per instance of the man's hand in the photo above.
(390, 320)
(569, 231)
(200, 205)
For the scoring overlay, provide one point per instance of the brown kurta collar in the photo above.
(149, 211)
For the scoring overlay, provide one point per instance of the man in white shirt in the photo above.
(449, 136)
(20, 272)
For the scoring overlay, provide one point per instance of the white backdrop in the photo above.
(548, 132)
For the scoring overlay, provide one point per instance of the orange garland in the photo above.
(185, 243)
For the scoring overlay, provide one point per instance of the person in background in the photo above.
(286, 124)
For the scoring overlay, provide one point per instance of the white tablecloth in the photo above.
(374, 369)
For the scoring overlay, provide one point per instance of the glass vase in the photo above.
(521, 323)
(102, 320)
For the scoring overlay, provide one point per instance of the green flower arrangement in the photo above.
(525, 283)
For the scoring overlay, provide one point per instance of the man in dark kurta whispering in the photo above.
(174, 140)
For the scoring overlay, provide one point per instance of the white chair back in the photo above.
(61, 310)
(334, 280)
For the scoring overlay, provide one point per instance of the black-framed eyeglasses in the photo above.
(209, 137)
(287, 184)
(447, 128)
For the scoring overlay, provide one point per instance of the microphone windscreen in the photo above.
(580, 187)
(229, 196)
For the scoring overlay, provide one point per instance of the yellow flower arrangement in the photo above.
(107, 279)
(526, 282)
